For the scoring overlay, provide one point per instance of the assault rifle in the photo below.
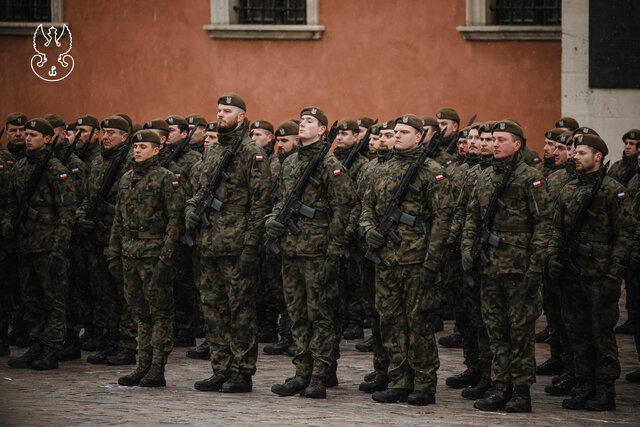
(293, 206)
(209, 199)
(628, 174)
(571, 245)
(485, 236)
(454, 141)
(70, 149)
(25, 211)
(359, 148)
(85, 147)
(179, 149)
(100, 206)
(393, 215)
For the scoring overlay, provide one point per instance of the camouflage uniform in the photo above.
(10, 296)
(509, 307)
(228, 298)
(145, 232)
(619, 168)
(310, 301)
(592, 310)
(42, 249)
(441, 156)
(633, 286)
(531, 157)
(405, 304)
(549, 166)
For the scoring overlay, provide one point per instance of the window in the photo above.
(21, 17)
(264, 19)
(512, 20)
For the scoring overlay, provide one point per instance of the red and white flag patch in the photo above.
(337, 172)
(537, 184)
(536, 160)
(1, 167)
(622, 195)
(175, 183)
(449, 162)
(439, 177)
(64, 176)
(178, 176)
(9, 162)
(259, 158)
(75, 170)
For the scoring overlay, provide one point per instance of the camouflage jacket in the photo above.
(245, 198)
(149, 213)
(549, 166)
(333, 201)
(531, 157)
(77, 168)
(185, 162)
(619, 168)
(441, 156)
(97, 172)
(342, 154)
(524, 226)
(93, 154)
(422, 243)
(608, 234)
(6, 167)
(54, 199)
(464, 194)
(634, 186)
(556, 182)
(17, 151)
(183, 178)
(198, 147)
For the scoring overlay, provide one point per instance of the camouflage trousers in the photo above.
(380, 358)
(43, 281)
(270, 299)
(351, 299)
(185, 295)
(407, 308)
(79, 302)
(475, 341)
(590, 316)
(311, 306)
(229, 308)
(509, 310)
(150, 299)
(632, 286)
(11, 295)
(552, 300)
(118, 326)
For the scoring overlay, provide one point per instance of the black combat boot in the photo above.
(94, 343)
(268, 333)
(5, 350)
(291, 351)
(562, 387)
(370, 376)
(373, 386)
(602, 401)
(421, 398)
(464, 379)
(294, 386)
(332, 376)
(520, 400)
(495, 401)
(24, 361)
(201, 352)
(625, 329)
(453, 340)
(17, 331)
(133, 379)
(70, 350)
(366, 323)
(561, 377)
(155, 377)
(633, 377)
(438, 324)
(543, 335)
(23, 341)
(353, 332)
(477, 391)
(46, 361)
(100, 358)
(213, 383)
(552, 366)
(365, 346)
(184, 341)
(316, 389)
(121, 357)
(279, 347)
(580, 394)
(391, 395)
(238, 383)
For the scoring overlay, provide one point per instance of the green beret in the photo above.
(115, 122)
(287, 128)
(567, 122)
(18, 119)
(196, 119)
(511, 119)
(146, 136)
(411, 120)
(429, 121)
(158, 124)
(127, 118)
(584, 131)
(592, 141)
(487, 126)
(41, 125)
(553, 134)
(464, 132)
(632, 134)
(348, 124)
(565, 138)
(365, 122)
(388, 125)
(174, 119)
(233, 99)
(507, 126)
(54, 120)
(448, 113)
(212, 127)
(136, 127)
(71, 126)
(88, 120)
(375, 129)
(315, 112)
(262, 124)
(476, 125)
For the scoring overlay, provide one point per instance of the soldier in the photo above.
(406, 279)
(431, 126)
(630, 139)
(16, 135)
(229, 251)
(567, 124)
(310, 259)
(197, 140)
(449, 124)
(549, 161)
(633, 273)
(510, 293)
(374, 142)
(592, 310)
(88, 151)
(144, 236)
(42, 241)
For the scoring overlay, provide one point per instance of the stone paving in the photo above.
(80, 393)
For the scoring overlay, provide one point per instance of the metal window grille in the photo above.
(526, 12)
(272, 12)
(25, 10)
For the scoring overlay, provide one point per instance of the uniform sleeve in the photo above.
(541, 213)
(173, 204)
(460, 208)
(472, 220)
(115, 239)
(441, 206)
(341, 198)
(624, 230)
(259, 188)
(65, 199)
(368, 217)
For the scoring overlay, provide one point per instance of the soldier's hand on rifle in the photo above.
(467, 260)
(115, 268)
(248, 260)
(192, 221)
(274, 228)
(554, 267)
(7, 230)
(634, 259)
(374, 239)
(331, 269)
(84, 224)
(349, 235)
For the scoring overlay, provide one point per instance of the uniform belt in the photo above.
(594, 237)
(136, 235)
(512, 228)
(227, 207)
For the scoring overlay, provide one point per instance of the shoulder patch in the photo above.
(1, 167)
(75, 170)
(178, 175)
(449, 162)
(175, 184)
(337, 172)
(622, 195)
(64, 176)
(9, 162)
(259, 158)
(536, 160)
(439, 177)
(537, 184)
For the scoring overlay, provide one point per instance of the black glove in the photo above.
(85, 225)
(374, 239)
(350, 235)
(555, 269)
(274, 229)
(248, 260)
(191, 220)
(115, 268)
(331, 269)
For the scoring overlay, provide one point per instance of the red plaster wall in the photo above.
(381, 58)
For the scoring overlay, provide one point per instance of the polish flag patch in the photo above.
(75, 170)
(64, 176)
(449, 162)
(622, 195)
(259, 158)
(175, 183)
(337, 172)
(1, 167)
(9, 162)
(536, 160)
(439, 177)
(178, 176)
(537, 184)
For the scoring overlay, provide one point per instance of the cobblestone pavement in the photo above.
(80, 393)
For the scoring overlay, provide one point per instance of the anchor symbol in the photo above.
(53, 71)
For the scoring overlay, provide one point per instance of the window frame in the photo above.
(8, 28)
